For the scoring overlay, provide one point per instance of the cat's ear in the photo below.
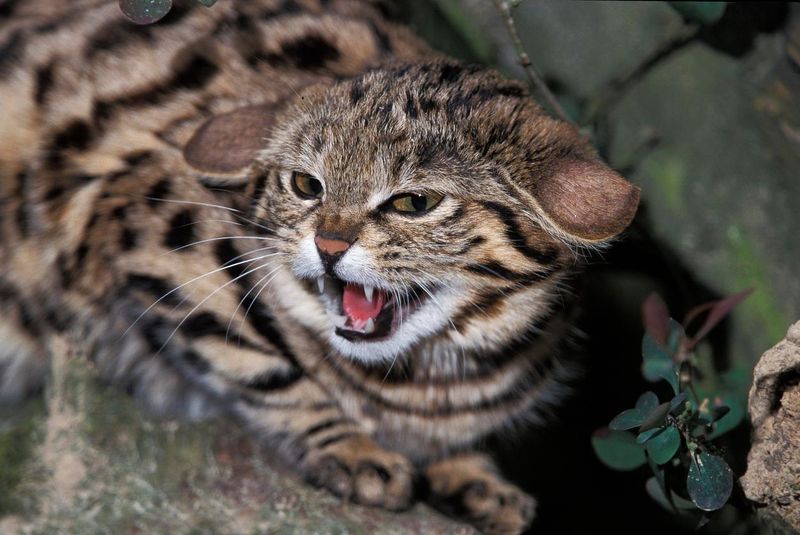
(227, 143)
(586, 200)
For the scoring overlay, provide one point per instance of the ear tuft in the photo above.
(228, 143)
(587, 200)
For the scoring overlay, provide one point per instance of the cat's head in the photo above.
(429, 202)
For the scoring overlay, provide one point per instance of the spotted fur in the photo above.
(146, 209)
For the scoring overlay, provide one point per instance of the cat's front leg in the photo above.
(331, 450)
(469, 486)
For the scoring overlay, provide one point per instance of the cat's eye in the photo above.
(306, 186)
(416, 203)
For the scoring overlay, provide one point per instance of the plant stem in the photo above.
(533, 77)
(600, 103)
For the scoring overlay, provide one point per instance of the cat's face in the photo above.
(401, 204)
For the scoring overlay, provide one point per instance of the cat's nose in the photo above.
(331, 246)
(330, 251)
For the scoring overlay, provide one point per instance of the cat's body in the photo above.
(375, 294)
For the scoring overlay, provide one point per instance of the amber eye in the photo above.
(306, 186)
(416, 203)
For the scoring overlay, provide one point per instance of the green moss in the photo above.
(669, 173)
(761, 308)
(19, 437)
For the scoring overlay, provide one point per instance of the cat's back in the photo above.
(83, 88)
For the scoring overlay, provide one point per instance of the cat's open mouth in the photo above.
(365, 312)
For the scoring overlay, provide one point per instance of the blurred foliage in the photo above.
(674, 437)
(150, 11)
(702, 12)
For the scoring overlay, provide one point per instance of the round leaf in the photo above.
(655, 418)
(145, 11)
(702, 12)
(618, 449)
(677, 402)
(710, 481)
(663, 446)
(627, 420)
(647, 402)
(733, 418)
(652, 350)
(647, 435)
(653, 370)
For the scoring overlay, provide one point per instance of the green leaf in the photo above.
(703, 12)
(677, 402)
(647, 402)
(710, 481)
(627, 419)
(655, 418)
(676, 335)
(653, 370)
(730, 420)
(658, 363)
(641, 438)
(651, 350)
(618, 449)
(663, 446)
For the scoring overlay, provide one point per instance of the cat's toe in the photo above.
(360, 470)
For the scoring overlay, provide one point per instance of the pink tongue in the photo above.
(356, 306)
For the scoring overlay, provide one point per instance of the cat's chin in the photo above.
(385, 324)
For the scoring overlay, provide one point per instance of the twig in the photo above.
(615, 89)
(533, 77)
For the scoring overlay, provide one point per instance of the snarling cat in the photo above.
(295, 213)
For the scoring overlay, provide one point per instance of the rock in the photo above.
(88, 460)
(772, 479)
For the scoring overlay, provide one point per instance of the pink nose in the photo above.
(331, 247)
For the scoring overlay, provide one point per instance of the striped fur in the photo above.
(191, 278)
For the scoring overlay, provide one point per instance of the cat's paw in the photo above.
(469, 487)
(358, 469)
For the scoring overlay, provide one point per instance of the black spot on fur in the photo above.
(159, 192)
(135, 158)
(276, 380)
(7, 8)
(286, 7)
(309, 52)
(382, 40)
(54, 193)
(356, 92)
(203, 324)
(119, 212)
(77, 135)
(196, 361)
(411, 107)
(22, 219)
(450, 72)
(44, 82)
(195, 74)
(155, 287)
(427, 105)
(117, 34)
(176, 14)
(10, 52)
(127, 239)
(181, 231)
